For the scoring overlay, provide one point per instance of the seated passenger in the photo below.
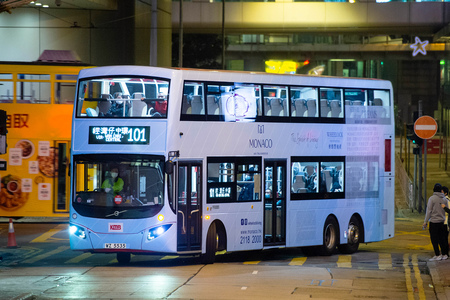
(117, 108)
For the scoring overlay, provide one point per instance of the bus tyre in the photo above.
(330, 236)
(353, 237)
(123, 258)
(211, 245)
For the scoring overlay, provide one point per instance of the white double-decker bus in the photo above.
(216, 160)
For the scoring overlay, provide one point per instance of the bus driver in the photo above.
(113, 184)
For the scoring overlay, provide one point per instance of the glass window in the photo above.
(304, 102)
(130, 183)
(362, 177)
(31, 88)
(123, 97)
(304, 177)
(193, 102)
(276, 101)
(234, 179)
(331, 177)
(371, 105)
(379, 104)
(64, 92)
(317, 178)
(355, 102)
(6, 88)
(248, 182)
(331, 103)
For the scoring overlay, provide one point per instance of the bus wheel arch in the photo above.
(215, 241)
(330, 235)
(355, 235)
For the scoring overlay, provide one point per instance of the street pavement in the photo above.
(436, 173)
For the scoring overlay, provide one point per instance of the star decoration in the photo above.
(419, 47)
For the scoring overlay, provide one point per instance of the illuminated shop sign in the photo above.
(119, 135)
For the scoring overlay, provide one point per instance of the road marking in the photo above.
(384, 261)
(418, 277)
(170, 257)
(43, 238)
(79, 258)
(344, 261)
(45, 255)
(255, 262)
(298, 261)
(409, 287)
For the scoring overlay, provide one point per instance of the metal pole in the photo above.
(420, 166)
(154, 35)
(420, 180)
(425, 172)
(416, 206)
(402, 133)
(223, 34)
(180, 37)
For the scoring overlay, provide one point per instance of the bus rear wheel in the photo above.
(330, 236)
(211, 245)
(353, 237)
(123, 257)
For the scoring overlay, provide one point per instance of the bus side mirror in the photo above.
(169, 167)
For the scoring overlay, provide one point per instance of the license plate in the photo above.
(115, 245)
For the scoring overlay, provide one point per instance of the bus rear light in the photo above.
(77, 231)
(157, 231)
(387, 155)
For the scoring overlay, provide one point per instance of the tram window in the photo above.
(331, 103)
(275, 101)
(64, 92)
(6, 88)
(362, 177)
(33, 88)
(331, 177)
(304, 102)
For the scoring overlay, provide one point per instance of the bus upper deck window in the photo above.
(121, 97)
(304, 102)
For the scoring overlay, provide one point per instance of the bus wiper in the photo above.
(116, 213)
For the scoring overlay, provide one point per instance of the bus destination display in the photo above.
(119, 135)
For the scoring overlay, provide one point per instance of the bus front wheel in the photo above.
(123, 257)
(211, 245)
(353, 237)
(330, 236)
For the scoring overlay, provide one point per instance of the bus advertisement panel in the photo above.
(38, 100)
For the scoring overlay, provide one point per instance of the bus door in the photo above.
(189, 210)
(61, 155)
(274, 202)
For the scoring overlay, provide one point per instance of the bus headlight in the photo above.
(77, 231)
(157, 231)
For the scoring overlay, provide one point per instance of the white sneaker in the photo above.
(436, 258)
(444, 257)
